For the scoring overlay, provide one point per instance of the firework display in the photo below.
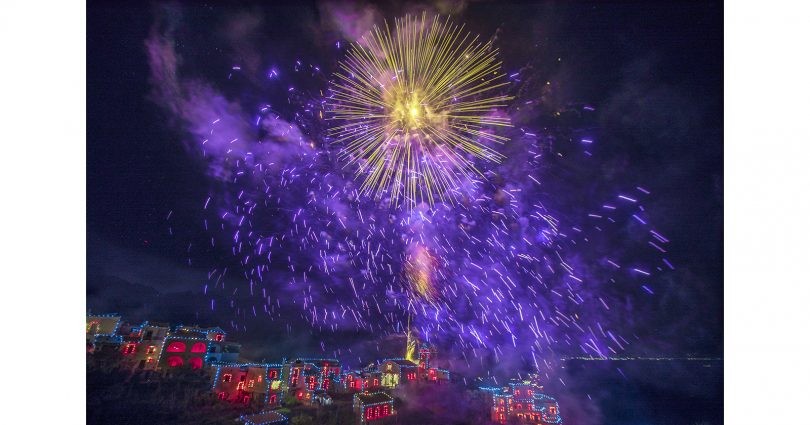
(415, 107)
(479, 257)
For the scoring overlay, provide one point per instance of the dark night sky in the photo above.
(654, 71)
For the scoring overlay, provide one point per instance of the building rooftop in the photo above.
(373, 398)
(264, 418)
(318, 362)
(402, 362)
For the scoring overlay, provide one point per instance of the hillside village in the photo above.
(265, 389)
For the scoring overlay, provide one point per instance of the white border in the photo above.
(767, 211)
(42, 134)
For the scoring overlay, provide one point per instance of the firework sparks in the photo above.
(420, 272)
(414, 107)
(503, 272)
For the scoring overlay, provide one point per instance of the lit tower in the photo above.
(410, 343)
(427, 352)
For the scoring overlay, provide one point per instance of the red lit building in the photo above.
(523, 402)
(365, 380)
(427, 356)
(313, 374)
(194, 347)
(440, 376)
(248, 383)
(142, 344)
(375, 407)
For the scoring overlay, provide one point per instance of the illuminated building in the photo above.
(396, 371)
(522, 402)
(249, 382)
(374, 407)
(313, 374)
(194, 347)
(102, 328)
(362, 380)
(427, 353)
(142, 344)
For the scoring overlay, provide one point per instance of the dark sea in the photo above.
(640, 392)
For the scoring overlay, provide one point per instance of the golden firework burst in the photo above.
(414, 107)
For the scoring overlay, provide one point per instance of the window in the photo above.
(251, 383)
(385, 410)
(196, 363)
(246, 399)
(376, 382)
(198, 347)
(517, 392)
(150, 349)
(129, 349)
(174, 361)
(223, 395)
(219, 337)
(176, 347)
(552, 410)
(272, 399)
(240, 385)
(273, 374)
(227, 377)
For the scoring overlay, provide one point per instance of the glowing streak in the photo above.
(420, 272)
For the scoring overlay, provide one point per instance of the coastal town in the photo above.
(264, 390)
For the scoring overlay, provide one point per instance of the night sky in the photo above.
(643, 80)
